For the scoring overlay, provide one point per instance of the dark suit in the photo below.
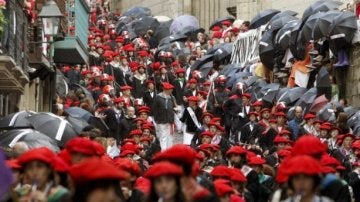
(113, 120)
(148, 99)
(190, 125)
(126, 125)
(179, 91)
(249, 136)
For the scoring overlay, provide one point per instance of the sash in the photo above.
(193, 117)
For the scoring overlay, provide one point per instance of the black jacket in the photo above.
(163, 109)
(190, 125)
(148, 99)
(250, 136)
(179, 91)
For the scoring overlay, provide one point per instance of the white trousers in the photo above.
(163, 132)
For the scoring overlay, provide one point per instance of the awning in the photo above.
(70, 51)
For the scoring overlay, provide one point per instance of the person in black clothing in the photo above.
(191, 117)
(127, 123)
(74, 75)
(251, 131)
(150, 94)
(179, 84)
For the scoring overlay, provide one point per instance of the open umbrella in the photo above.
(323, 78)
(182, 22)
(223, 52)
(191, 32)
(206, 68)
(53, 126)
(309, 25)
(77, 123)
(294, 40)
(354, 119)
(270, 95)
(197, 64)
(16, 120)
(82, 89)
(62, 87)
(319, 103)
(279, 22)
(318, 6)
(291, 95)
(137, 11)
(229, 68)
(350, 111)
(267, 49)
(79, 112)
(283, 13)
(356, 130)
(143, 24)
(232, 79)
(218, 21)
(262, 18)
(99, 124)
(307, 99)
(342, 30)
(301, 44)
(282, 38)
(31, 137)
(322, 26)
(162, 31)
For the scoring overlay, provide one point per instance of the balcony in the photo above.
(14, 49)
(72, 50)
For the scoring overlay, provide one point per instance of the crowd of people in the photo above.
(174, 135)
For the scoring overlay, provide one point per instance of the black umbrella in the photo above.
(322, 26)
(267, 49)
(301, 45)
(282, 38)
(356, 130)
(121, 24)
(79, 112)
(162, 31)
(99, 124)
(306, 100)
(291, 95)
(249, 81)
(191, 32)
(77, 123)
(229, 68)
(218, 21)
(262, 18)
(342, 30)
(350, 111)
(223, 52)
(16, 120)
(232, 79)
(82, 89)
(53, 126)
(323, 78)
(325, 113)
(270, 95)
(137, 11)
(62, 87)
(319, 6)
(206, 68)
(283, 13)
(354, 119)
(31, 137)
(293, 40)
(143, 24)
(307, 29)
(279, 22)
(197, 64)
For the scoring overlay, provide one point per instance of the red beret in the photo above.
(192, 81)
(308, 145)
(213, 123)
(302, 164)
(175, 63)
(143, 53)
(119, 99)
(257, 103)
(226, 22)
(280, 114)
(85, 72)
(156, 65)
(284, 132)
(356, 144)
(167, 86)
(81, 145)
(119, 39)
(216, 29)
(325, 127)
(125, 88)
(60, 165)
(207, 83)
(179, 70)
(180, 154)
(128, 166)
(222, 189)
(206, 133)
(88, 171)
(265, 110)
(147, 139)
(235, 30)
(279, 139)
(40, 154)
(144, 108)
(237, 176)
(206, 114)
(221, 171)
(135, 132)
(327, 160)
(253, 113)
(163, 168)
(13, 164)
(238, 150)
(133, 64)
(309, 116)
(284, 153)
(217, 35)
(255, 160)
(150, 82)
(193, 99)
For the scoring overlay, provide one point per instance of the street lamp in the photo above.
(50, 15)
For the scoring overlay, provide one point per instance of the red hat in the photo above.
(163, 168)
(133, 64)
(272, 121)
(221, 172)
(193, 99)
(235, 30)
(128, 166)
(206, 114)
(255, 160)
(143, 53)
(207, 83)
(167, 86)
(280, 114)
(180, 70)
(309, 116)
(253, 113)
(216, 29)
(279, 139)
(318, 122)
(118, 100)
(156, 65)
(13, 164)
(265, 110)
(238, 150)
(124, 153)
(41, 154)
(88, 171)
(119, 39)
(348, 135)
(302, 164)
(85, 72)
(237, 175)
(213, 123)
(81, 145)
(283, 153)
(192, 80)
(150, 82)
(257, 103)
(135, 132)
(60, 165)
(180, 154)
(327, 160)
(147, 139)
(222, 189)
(215, 119)
(206, 133)
(175, 63)
(325, 127)
(285, 132)
(356, 144)
(126, 87)
(217, 35)
(226, 22)
(308, 145)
